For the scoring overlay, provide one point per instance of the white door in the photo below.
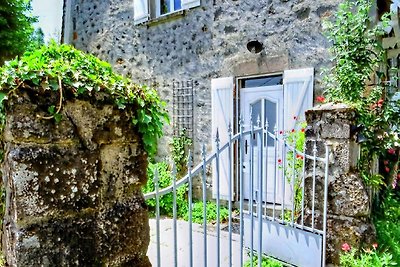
(265, 103)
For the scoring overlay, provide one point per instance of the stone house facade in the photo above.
(181, 46)
(213, 61)
(181, 52)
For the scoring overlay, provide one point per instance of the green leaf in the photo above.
(58, 117)
(52, 110)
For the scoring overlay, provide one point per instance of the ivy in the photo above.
(180, 146)
(72, 72)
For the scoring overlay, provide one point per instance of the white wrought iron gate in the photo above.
(289, 225)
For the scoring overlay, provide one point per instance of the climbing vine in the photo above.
(179, 148)
(72, 73)
(355, 79)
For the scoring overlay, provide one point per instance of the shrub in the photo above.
(166, 201)
(366, 258)
(388, 227)
(211, 208)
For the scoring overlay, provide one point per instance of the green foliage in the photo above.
(266, 262)
(166, 201)
(15, 28)
(366, 258)
(357, 54)
(294, 168)
(211, 209)
(387, 225)
(83, 76)
(180, 146)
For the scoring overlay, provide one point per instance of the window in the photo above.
(167, 6)
(149, 9)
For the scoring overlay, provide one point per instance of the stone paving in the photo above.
(167, 245)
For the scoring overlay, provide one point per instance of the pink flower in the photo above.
(386, 162)
(387, 169)
(346, 247)
(375, 245)
(320, 99)
(391, 151)
(398, 176)
(394, 184)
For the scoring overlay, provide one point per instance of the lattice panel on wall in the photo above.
(183, 107)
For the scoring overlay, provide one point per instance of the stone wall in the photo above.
(73, 189)
(349, 210)
(204, 43)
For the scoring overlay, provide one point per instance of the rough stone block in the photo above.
(92, 239)
(24, 125)
(347, 229)
(97, 125)
(336, 130)
(123, 171)
(348, 197)
(73, 189)
(45, 181)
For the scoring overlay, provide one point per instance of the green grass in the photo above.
(266, 262)
(387, 224)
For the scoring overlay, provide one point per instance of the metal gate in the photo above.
(289, 226)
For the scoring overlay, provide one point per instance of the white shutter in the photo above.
(297, 94)
(186, 4)
(140, 11)
(222, 115)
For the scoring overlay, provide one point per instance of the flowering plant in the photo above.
(356, 55)
(368, 257)
(294, 164)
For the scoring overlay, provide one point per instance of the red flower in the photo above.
(391, 151)
(299, 157)
(295, 118)
(279, 161)
(387, 169)
(280, 132)
(320, 99)
(346, 247)
(293, 131)
(386, 162)
(303, 130)
(398, 176)
(380, 101)
(375, 245)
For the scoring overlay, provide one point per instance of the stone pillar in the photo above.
(73, 188)
(349, 211)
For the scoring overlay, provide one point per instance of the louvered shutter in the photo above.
(140, 11)
(297, 94)
(186, 4)
(222, 115)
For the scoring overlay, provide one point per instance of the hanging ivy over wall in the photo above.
(68, 71)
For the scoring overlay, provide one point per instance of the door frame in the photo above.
(236, 117)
